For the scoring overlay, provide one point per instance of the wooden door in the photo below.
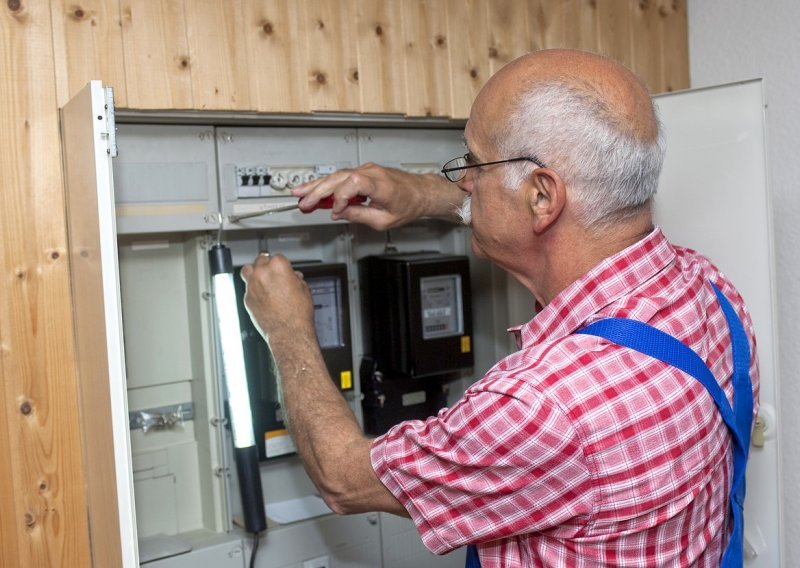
(87, 129)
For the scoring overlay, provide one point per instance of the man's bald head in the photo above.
(585, 116)
(615, 85)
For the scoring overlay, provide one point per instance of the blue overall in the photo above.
(662, 346)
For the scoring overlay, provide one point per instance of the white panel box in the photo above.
(165, 178)
(158, 336)
(351, 541)
(217, 551)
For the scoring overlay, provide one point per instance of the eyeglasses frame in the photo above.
(446, 170)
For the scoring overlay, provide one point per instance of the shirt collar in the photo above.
(613, 278)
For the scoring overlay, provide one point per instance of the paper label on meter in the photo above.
(442, 314)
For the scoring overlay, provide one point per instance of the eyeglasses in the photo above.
(456, 169)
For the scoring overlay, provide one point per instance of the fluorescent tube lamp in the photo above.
(226, 316)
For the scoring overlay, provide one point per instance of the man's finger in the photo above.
(247, 270)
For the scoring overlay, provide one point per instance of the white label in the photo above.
(279, 444)
(412, 398)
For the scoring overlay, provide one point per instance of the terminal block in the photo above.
(269, 181)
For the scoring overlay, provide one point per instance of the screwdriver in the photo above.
(324, 203)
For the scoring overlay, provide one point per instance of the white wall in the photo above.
(731, 40)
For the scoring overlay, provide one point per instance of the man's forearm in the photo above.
(318, 416)
(328, 438)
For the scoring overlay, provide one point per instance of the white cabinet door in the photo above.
(713, 197)
(87, 127)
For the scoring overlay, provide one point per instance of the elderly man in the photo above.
(580, 449)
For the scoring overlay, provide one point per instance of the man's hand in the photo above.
(396, 197)
(278, 298)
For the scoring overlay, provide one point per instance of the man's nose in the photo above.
(465, 183)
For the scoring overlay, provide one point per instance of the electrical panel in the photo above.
(180, 188)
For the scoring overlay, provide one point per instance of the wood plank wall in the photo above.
(43, 513)
(413, 57)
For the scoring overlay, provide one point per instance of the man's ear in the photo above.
(547, 198)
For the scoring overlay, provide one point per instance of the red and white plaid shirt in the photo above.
(577, 452)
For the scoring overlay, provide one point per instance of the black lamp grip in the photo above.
(255, 519)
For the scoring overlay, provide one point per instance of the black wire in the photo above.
(389, 246)
(255, 549)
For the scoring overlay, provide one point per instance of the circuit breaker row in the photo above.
(266, 181)
(253, 181)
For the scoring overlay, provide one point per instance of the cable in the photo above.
(255, 550)
(389, 247)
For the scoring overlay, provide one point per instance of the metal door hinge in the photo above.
(111, 122)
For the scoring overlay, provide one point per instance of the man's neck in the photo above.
(576, 250)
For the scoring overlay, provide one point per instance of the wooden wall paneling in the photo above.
(427, 71)
(614, 29)
(508, 32)
(217, 49)
(674, 44)
(646, 44)
(332, 72)
(87, 43)
(380, 50)
(277, 57)
(580, 24)
(45, 515)
(468, 32)
(551, 21)
(156, 52)
(8, 529)
(536, 14)
(566, 24)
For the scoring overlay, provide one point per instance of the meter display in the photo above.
(326, 294)
(440, 297)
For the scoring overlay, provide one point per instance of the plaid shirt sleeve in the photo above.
(501, 462)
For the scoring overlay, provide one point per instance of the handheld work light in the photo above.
(226, 316)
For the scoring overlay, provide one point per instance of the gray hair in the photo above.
(574, 131)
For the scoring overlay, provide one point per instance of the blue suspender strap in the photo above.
(743, 410)
(472, 557)
(662, 346)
